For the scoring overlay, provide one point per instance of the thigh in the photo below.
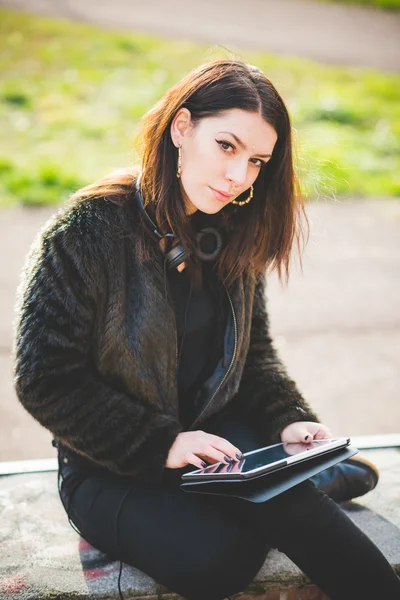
(295, 509)
(181, 540)
(244, 434)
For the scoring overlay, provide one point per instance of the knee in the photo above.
(225, 568)
(297, 511)
(308, 500)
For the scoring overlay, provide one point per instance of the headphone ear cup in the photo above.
(209, 243)
(176, 256)
(208, 247)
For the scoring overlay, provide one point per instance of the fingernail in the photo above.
(239, 456)
(307, 436)
(204, 464)
(228, 459)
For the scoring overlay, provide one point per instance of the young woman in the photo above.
(145, 349)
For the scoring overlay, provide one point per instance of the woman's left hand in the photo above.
(305, 431)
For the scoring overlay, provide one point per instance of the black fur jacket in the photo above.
(95, 353)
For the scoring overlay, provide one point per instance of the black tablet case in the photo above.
(266, 486)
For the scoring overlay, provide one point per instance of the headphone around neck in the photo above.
(208, 239)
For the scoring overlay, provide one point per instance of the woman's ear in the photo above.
(180, 126)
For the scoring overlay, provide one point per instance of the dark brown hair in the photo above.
(260, 234)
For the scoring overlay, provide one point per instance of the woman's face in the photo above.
(220, 154)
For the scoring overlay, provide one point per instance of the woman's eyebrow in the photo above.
(243, 145)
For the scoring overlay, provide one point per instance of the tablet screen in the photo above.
(279, 452)
(270, 457)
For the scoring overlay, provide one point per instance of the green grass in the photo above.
(388, 4)
(71, 98)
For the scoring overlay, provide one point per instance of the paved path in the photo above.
(337, 326)
(330, 33)
(43, 557)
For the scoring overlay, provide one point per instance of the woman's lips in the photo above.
(221, 196)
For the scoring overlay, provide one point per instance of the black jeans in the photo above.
(203, 546)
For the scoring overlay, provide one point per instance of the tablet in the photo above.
(264, 460)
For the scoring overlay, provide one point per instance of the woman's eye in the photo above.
(226, 145)
(260, 162)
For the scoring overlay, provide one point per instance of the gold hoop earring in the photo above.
(179, 171)
(247, 199)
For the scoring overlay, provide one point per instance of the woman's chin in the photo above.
(208, 208)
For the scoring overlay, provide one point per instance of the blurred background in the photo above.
(77, 77)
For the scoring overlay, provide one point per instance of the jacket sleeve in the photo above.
(266, 390)
(54, 375)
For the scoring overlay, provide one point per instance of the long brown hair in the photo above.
(260, 234)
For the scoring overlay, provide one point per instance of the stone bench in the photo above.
(42, 557)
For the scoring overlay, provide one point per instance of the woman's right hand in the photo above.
(195, 447)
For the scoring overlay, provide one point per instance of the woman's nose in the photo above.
(237, 173)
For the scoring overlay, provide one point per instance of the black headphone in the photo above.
(209, 240)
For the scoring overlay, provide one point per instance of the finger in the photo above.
(322, 433)
(192, 459)
(213, 468)
(236, 467)
(226, 447)
(213, 455)
(306, 436)
(294, 448)
(225, 468)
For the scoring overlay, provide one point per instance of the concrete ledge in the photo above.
(43, 557)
